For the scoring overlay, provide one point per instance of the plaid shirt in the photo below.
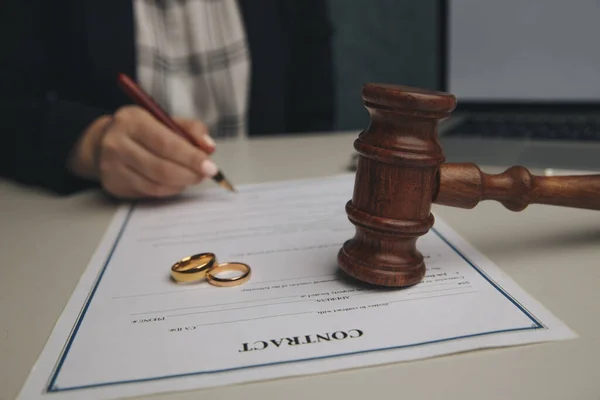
(193, 58)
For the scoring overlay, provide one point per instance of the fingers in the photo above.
(154, 168)
(140, 157)
(126, 183)
(165, 144)
(199, 133)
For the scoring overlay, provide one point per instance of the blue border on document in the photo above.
(536, 324)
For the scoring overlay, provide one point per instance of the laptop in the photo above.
(526, 74)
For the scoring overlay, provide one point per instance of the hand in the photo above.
(133, 155)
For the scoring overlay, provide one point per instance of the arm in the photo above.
(63, 144)
(40, 126)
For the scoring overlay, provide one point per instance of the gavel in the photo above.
(401, 172)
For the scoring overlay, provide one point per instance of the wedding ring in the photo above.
(213, 279)
(193, 268)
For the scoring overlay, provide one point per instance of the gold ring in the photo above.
(213, 279)
(193, 268)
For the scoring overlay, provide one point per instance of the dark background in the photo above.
(387, 41)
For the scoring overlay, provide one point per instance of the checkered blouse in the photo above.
(193, 58)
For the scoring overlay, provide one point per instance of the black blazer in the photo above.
(59, 60)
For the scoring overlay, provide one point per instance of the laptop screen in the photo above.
(523, 50)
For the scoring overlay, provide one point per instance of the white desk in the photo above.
(553, 253)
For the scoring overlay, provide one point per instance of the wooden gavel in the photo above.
(401, 173)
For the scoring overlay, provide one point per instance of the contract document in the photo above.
(129, 329)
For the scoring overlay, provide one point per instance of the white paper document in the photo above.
(129, 329)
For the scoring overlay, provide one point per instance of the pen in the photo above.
(144, 100)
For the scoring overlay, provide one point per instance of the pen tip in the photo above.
(223, 182)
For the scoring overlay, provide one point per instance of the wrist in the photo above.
(83, 160)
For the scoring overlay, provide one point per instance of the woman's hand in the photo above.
(133, 155)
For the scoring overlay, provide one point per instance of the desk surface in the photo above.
(553, 253)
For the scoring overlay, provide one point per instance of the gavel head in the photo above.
(399, 156)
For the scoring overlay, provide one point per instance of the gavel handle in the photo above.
(464, 185)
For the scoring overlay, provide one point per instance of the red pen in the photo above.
(141, 98)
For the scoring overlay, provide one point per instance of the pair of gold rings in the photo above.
(205, 265)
